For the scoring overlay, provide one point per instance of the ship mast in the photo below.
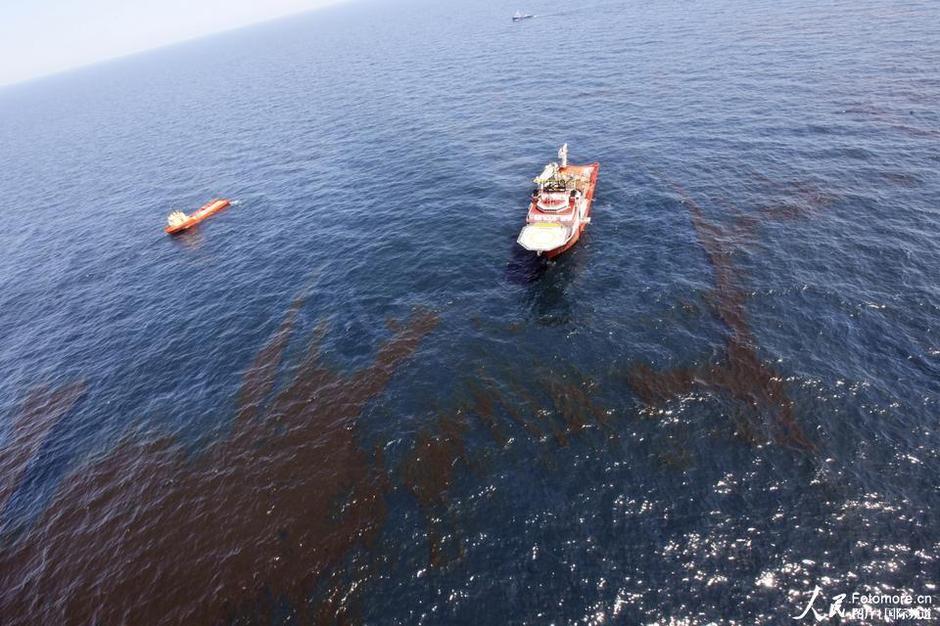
(563, 155)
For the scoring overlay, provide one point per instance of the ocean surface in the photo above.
(351, 398)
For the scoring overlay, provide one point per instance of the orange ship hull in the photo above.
(557, 218)
(207, 210)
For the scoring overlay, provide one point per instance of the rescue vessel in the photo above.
(560, 208)
(178, 221)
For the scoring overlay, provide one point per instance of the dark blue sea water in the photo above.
(725, 395)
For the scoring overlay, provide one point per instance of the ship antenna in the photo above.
(563, 155)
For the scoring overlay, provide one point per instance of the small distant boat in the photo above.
(178, 221)
(560, 209)
(519, 16)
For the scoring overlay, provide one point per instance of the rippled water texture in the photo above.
(351, 398)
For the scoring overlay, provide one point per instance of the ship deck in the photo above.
(581, 174)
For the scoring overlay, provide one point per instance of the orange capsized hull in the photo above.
(208, 209)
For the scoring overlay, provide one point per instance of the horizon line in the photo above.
(170, 44)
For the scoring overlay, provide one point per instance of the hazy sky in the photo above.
(39, 37)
